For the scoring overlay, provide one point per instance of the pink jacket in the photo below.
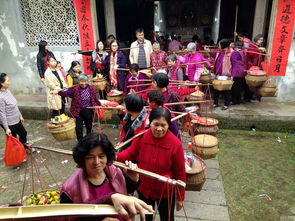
(77, 188)
(190, 70)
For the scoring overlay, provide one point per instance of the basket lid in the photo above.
(198, 165)
(116, 93)
(206, 121)
(197, 94)
(205, 140)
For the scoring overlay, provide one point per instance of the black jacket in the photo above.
(41, 63)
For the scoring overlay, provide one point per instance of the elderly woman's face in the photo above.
(95, 161)
(191, 52)
(156, 48)
(83, 83)
(159, 127)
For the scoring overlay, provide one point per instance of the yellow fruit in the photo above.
(53, 202)
(53, 193)
(55, 197)
(41, 202)
(39, 196)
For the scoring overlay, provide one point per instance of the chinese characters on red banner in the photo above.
(85, 29)
(282, 38)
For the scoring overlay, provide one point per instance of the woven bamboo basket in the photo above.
(208, 153)
(64, 131)
(195, 178)
(205, 78)
(268, 89)
(196, 96)
(222, 85)
(99, 83)
(205, 126)
(205, 145)
(255, 80)
(117, 98)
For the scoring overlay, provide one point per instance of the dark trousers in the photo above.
(86, 117)
(237, 89)
(226, 97)
(248, 95)
(121, 80)
(18, 129)
(162, 208)
(55, 113)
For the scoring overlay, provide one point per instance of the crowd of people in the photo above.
(159, 150)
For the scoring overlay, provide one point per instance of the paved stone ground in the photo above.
(208, 204)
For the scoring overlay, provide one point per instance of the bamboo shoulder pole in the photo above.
(188, 102)
(139, 85)
(121, 165)
(143, 132)
(110, 108)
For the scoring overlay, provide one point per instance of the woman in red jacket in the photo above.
(158, 151)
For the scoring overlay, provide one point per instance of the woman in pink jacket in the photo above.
(96, 177)
(193, 71)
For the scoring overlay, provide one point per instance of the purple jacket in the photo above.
(128, 82)
(75, 94)
(191, 69)
(121, 61)
(76, 187)
(238, 64)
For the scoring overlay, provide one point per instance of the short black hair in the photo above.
(238, 44)
(156, 96)
(161, 79)
(2, 78)
(134, 67)
(159, 112)
(139, 30)
(90, 141)
(243, 35)
(257, 37)
(49, 57)
(224, 43)
(111, 36)
(134, 102)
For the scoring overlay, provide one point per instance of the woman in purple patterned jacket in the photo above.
(83, 96)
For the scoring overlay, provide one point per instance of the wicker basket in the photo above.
(64, 131)
(117, 98)
(222, 85)
(255, 80)
(205, 78)
(196, 96)
(206, 153)
(268, 89)
(205, 145)
(195, 178)
(205, 126)
(99, 83)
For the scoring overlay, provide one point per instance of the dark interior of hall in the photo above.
(181, 17)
